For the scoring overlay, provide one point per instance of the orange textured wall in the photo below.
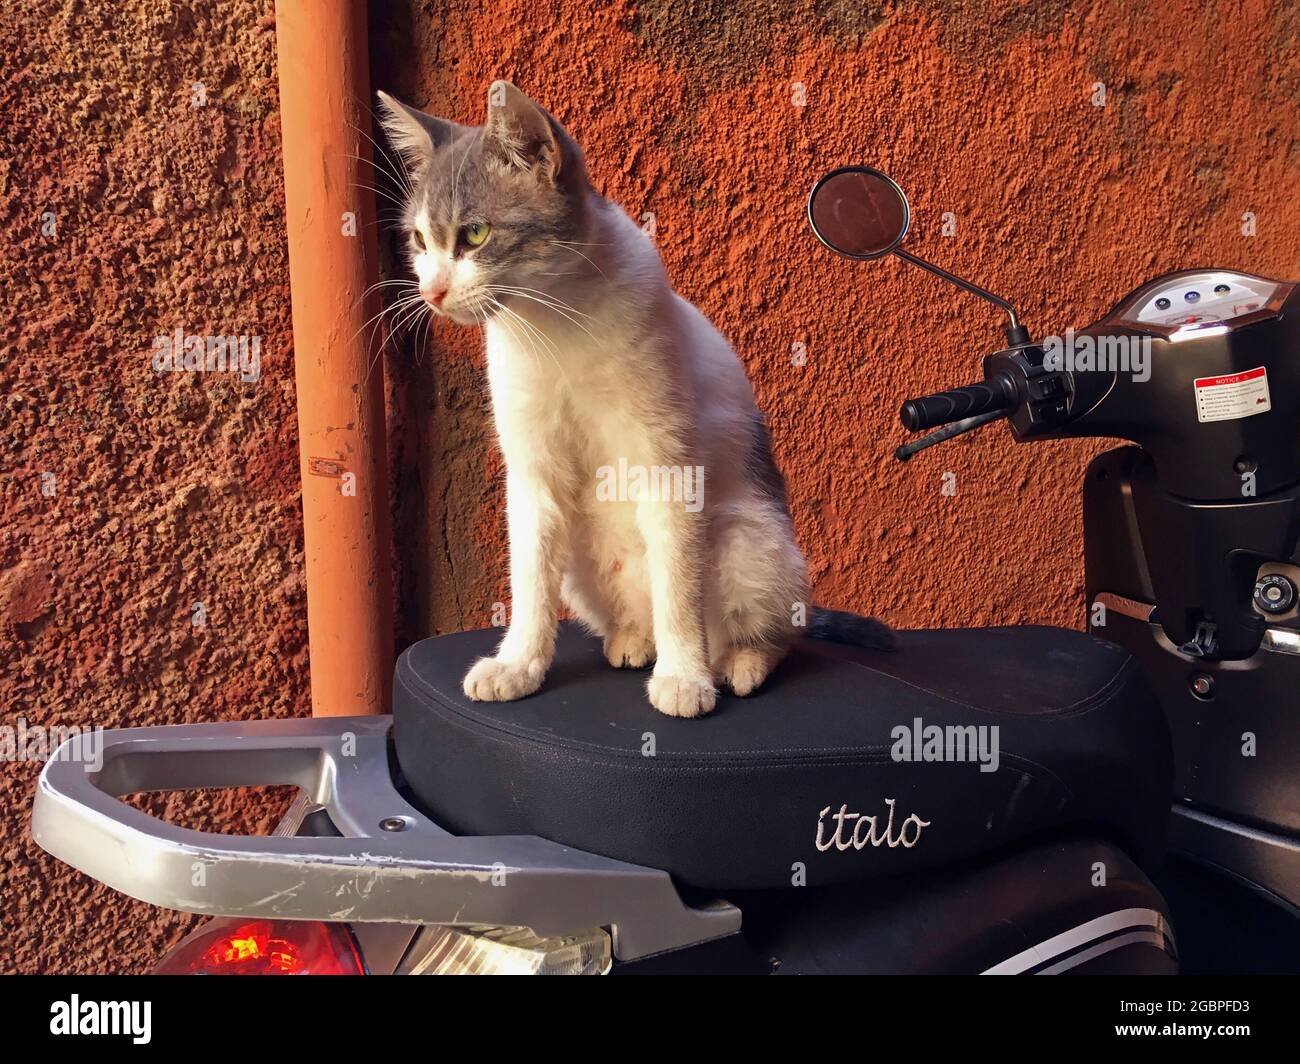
(168, 489)
(177, 489)
(690, 110)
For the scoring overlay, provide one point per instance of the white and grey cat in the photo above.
(640, 486)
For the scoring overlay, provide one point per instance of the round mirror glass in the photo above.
(858, 212)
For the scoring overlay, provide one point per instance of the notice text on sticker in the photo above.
(1232, 396)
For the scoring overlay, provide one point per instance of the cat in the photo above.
(641, 490)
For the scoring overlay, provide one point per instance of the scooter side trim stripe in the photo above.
(1133, 938)
(1124, 606)
(1068, 941)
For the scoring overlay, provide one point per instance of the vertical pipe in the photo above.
(333, 260)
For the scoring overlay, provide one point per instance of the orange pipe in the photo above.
(333, 260)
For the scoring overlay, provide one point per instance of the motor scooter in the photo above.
(972, 801)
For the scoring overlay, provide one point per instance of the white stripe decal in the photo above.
(1121, 920)
(1133, 938)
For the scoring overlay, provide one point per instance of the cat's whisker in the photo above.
(381, 192)
(370, 365)
(411, 309)
(362, 327)
(390, 283)
(565, 246)
(395, 308)
(541, 293)
(511, 316)
(455, 184)
(408, 282)
(399, 163)
(532, 346)
(557, 306)
(545, 298)
(554, 299)
(384, 310)
(428, 335)
(503, 319)
(533, 330)
(557, 310)
(379, 169)
(371, 359)
(578, 324)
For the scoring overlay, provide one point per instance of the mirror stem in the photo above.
(1016, 333)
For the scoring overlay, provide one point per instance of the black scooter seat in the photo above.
(848, 764)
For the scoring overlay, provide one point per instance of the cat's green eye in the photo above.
(418, 237)
(475, 233)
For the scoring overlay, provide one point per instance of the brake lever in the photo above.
(956, 428)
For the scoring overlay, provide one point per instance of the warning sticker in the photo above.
(1233, 396)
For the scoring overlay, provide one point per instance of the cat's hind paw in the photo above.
(629, 649)
(494, 680)
(678, 696)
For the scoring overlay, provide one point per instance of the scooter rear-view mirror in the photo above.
(861, 213)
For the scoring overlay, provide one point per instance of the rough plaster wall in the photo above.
(684, 109)
(169, 489)
(174, 490)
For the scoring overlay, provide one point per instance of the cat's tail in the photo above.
(840, 626)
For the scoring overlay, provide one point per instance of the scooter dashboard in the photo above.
(1195, 303)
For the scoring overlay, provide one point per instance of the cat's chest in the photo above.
(608, 433)
(590, 403)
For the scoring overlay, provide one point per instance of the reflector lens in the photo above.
(231, 946)
(492, 950)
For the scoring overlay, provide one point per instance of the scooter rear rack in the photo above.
(391, 863)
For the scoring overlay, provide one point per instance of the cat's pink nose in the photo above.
(434, 294)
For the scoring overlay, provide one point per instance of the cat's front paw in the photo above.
(494, 680)
(744, 669)
(679, 696)
(629, 649)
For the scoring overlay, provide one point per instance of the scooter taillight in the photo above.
(233, 946)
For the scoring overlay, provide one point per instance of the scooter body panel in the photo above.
(1233, 722)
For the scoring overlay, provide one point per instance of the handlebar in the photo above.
(990, 396)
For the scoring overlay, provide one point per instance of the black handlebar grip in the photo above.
(931, 411)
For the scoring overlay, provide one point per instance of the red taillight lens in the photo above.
(231, 946)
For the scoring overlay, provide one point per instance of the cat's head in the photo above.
(487, 205)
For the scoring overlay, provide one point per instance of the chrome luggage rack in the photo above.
(389, 863)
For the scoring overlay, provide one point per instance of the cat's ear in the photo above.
(413, 133)
(523, 134)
